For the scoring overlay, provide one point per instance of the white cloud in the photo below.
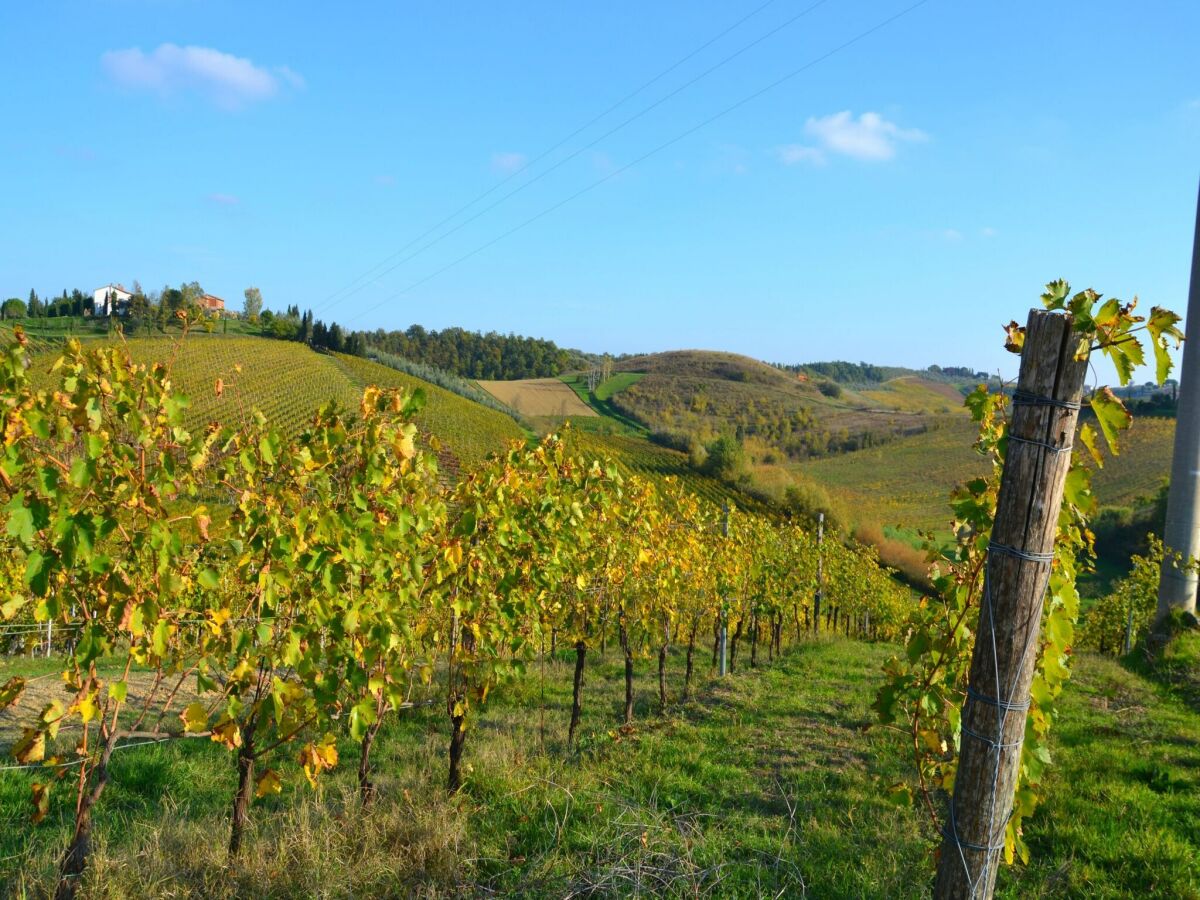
(870, 137)
(988, 232)
(224, 199)
(953, 235)
(227, 80)
(508, 162)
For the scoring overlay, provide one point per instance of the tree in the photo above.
(253, 305)
(726, 459)
(190, 292)
(14, 308)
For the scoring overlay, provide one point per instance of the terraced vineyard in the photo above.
(472, 431)
(1143, 464)
(226, 376)
(906, 482)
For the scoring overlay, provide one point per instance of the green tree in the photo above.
(254, 303)
(190, 292)
(726, 458)
(14, 308)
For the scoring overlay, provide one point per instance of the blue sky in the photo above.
(896, 201)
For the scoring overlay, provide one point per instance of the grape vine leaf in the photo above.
(1112, 416)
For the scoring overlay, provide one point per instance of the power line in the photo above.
(658, 149)
(351, 290)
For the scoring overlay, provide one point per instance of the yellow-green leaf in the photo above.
(267, 783)
(11, 692)
(41, 801)
(1087, 436)
(1161, 325)
(1112, 416)
(194, 717)
(31, 748)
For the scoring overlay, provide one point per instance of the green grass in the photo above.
(601, 400)
(1144, 462)
(907, 483)
(1123, 814)
(766, 784)
(616, 384)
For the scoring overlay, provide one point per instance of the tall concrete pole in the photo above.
(1177, 588)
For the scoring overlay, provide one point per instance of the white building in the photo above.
(111, 300)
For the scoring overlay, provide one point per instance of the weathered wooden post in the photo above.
(723, 639)
(816, 622)
(1044, 414)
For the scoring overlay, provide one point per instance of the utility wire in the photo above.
(351, 290)
(658, 149)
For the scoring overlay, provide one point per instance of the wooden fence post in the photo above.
(820, 572)
(1044, 414)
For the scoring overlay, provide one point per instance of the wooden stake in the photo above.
(1045, 412)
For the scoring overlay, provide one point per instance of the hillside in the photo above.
(907, 483)
(694, 395)
(287, 382)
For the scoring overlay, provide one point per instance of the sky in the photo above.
(796, 180)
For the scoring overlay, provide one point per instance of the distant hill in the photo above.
(708, 364)
(690, 396)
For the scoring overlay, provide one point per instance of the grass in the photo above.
(906, 483)
(601, 399)
(538, 397)
(616, 384)
(1123, 815)
(766, 784)
(1144, 462)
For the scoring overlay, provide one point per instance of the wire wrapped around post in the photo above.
(1016, 576)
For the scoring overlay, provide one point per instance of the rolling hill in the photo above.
(694, 395)
(886, 455)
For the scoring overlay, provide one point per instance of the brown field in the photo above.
(538, 397)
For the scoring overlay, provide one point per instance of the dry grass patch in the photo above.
(538, 397)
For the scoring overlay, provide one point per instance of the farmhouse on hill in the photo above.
(111, 300)
(212, 304)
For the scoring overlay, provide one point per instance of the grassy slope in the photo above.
(904, 483)
(537, 397)
(908, 482)
(764, 785)
(601, 401)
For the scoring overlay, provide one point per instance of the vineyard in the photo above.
(224, 378)
(472, 431)
(343, 577)
(238, 605)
